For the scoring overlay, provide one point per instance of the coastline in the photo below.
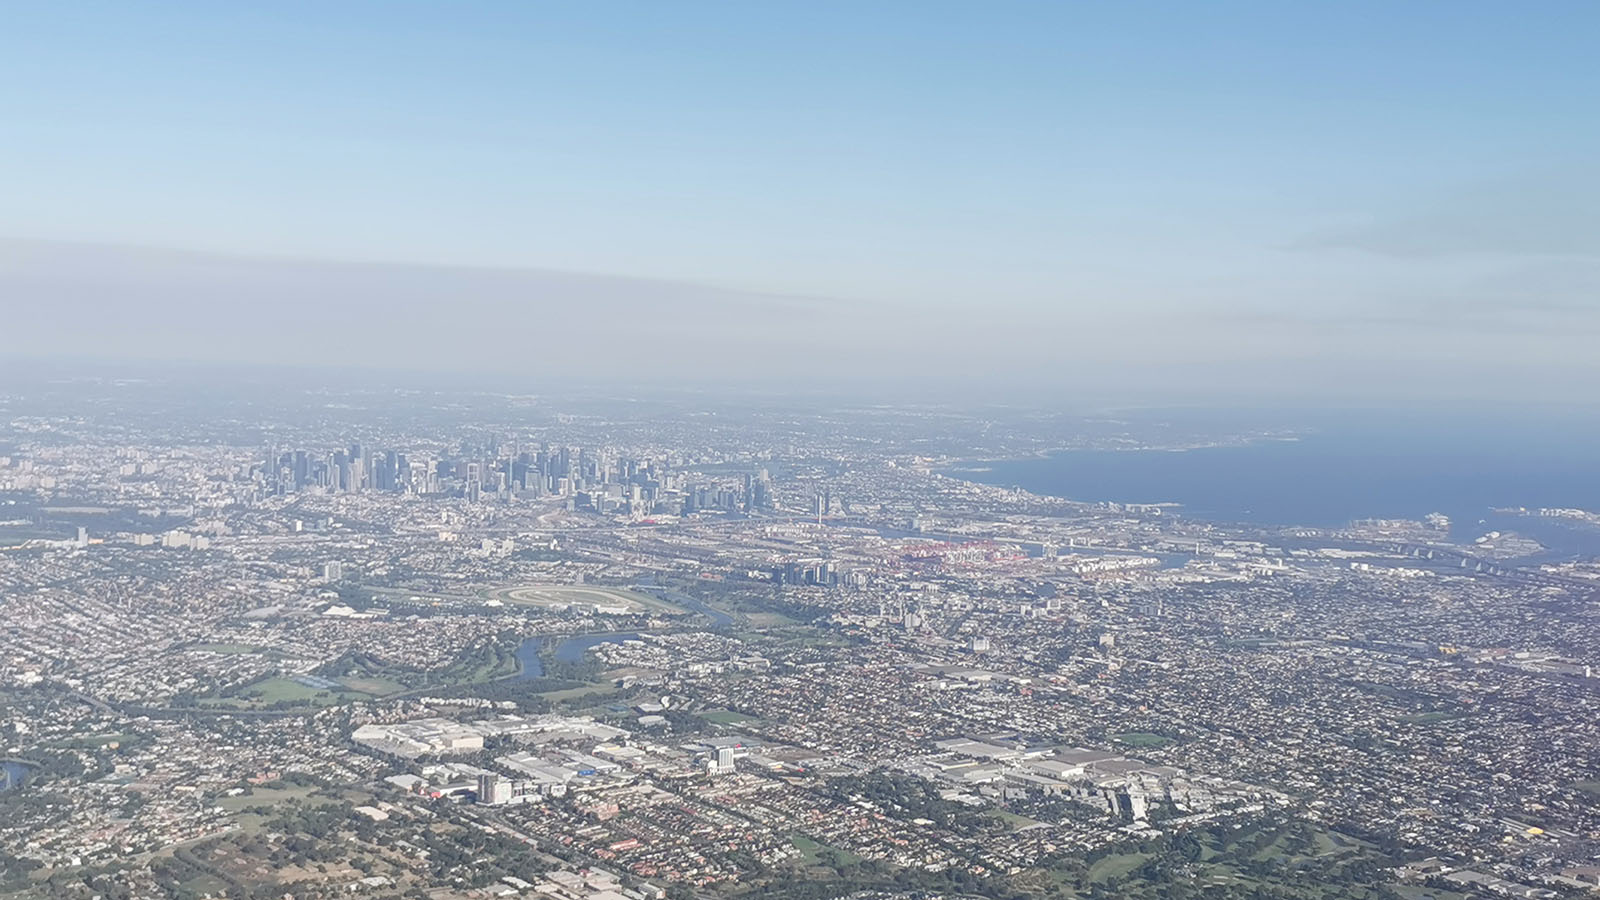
(983, 463)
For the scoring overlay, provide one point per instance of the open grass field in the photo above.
(273, 690)
(480, 668)
(206, 886)
(595, 692)
(265, 796)
(1116, 866)
(376, 687)
(562, 596)
(768, 620)
(1012, 820)
(287, 691)
(811, 851)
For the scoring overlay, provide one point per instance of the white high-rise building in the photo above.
(722, 763)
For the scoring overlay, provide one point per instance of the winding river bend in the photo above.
(572, 648)
(569, 649)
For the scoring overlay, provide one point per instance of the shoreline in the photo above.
(968, 463)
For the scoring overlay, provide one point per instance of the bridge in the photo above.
(1480, 566)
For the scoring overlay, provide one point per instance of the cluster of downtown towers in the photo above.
(591, 479)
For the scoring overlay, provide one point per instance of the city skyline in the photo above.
(903, 450)
(287, 637)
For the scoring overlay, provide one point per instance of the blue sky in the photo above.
(1283, 179)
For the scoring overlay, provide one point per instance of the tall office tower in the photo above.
(389, 471)
(763, 498)
(357, 468)
(488, 786)
(415, 479)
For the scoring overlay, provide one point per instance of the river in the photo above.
(571, 649)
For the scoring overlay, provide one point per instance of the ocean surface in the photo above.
(1335, 474)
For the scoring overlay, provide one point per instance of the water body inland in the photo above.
(570, 649)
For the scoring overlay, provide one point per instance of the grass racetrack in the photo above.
(601, 599)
